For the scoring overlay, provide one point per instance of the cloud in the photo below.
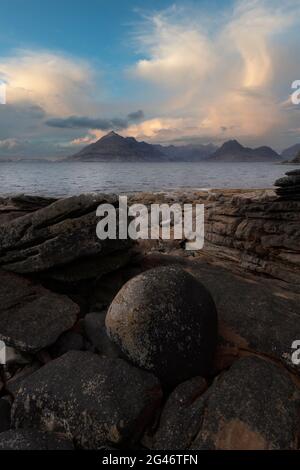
(174, 50)
(53, 81)
(220, 75)
(84, 122)
(78, 122)
(9, 144)
(136, 116)
(199, 77)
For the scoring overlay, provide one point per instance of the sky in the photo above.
(161, 71)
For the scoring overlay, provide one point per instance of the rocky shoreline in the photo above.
(121, 345)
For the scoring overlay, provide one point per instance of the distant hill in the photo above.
(113, 147)
(187, 153)
(291, 152)
(233, 151)
(296, 160)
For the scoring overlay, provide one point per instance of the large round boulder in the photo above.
(165, 321)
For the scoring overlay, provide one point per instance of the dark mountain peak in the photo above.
(232, 145)
(114, 147)
(131, 139)
(111, 135)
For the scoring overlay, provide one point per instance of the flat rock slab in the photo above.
(93, 400)
(56, 236)
(33, 440)
(31, 317)
(16, 206)
(253, 406)
(255, 314)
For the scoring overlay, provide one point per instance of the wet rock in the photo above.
(5, 408)
(165, 321)
(51, 239)
(94, 325)
(253, 406)
(179, 421)
(33, 440)
(91, 399)
(31, 317)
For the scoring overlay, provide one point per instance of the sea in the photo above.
(66, 179)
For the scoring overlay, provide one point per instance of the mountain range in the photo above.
(187, 153)
(233, 151)
(113, 147)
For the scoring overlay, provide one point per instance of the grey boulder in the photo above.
(93, 400)
(165, 321)
(253, 406)
(32, 317)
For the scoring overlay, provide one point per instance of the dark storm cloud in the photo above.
(84, 122)
(136, 116)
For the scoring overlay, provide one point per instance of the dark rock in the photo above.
(90, 268)
(16, 206)
(68, 341)
(105, 289)
(51, 239)
(94, 325)
(5, 407)
(165, 321)
(31, 317)
(293, 173)
(91, 399)
(288, 181)
(288, 187)
(15, 381)
(33, 440)
(253, 406)
(179, 421)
